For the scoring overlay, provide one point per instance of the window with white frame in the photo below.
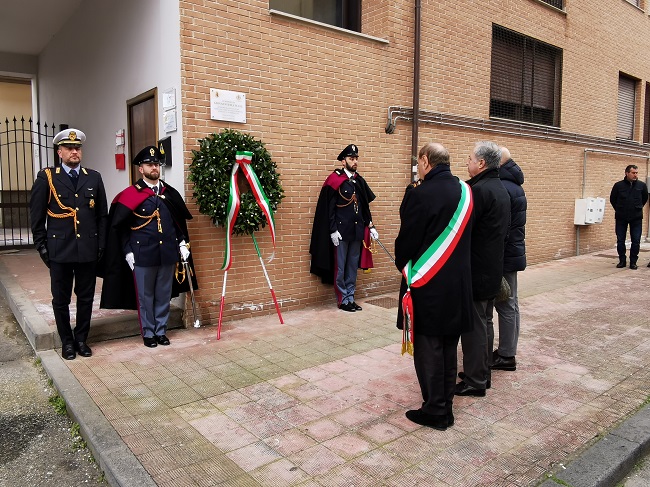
(525, 78)
(626, 104)
(341, 13)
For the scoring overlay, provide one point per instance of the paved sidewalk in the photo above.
(320, 400)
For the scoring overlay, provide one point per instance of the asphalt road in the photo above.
(36, 444)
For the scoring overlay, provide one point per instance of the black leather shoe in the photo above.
(648, 264)
(162, 340)
(450, 419)
(83, 349)
(463, 389)
(504, 363)
(150, 342)
(620, 265)
(461, 375)
(67, 352)
(356, 306)
(347, 307)
(435, 421)
(634, 267)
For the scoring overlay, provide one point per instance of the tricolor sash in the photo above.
(243, 161)
(433, 259)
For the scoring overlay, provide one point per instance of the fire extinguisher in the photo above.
(119, 150)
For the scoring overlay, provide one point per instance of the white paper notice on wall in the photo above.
(228, 106)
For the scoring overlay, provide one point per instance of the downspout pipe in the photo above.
(416, 90)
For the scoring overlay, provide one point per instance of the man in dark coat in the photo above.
(628, 197)
(68, 218)
(442, 297)
(148, 237)
(342, 224)
(491, 222)
(514, 260)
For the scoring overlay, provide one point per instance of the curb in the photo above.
(609, 460)
(121, 468)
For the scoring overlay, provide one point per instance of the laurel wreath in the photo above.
(210, 172)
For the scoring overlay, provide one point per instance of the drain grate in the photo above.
(384, 302)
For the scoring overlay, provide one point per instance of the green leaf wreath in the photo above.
(210, 172)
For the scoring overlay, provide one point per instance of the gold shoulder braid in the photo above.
(71, 212)
(155, 214)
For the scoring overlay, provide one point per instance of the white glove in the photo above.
(130, 259)
(185, 252)
(336, 238)
(374, 234)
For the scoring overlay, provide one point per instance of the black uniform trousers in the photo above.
(435, 359)
(62, 276)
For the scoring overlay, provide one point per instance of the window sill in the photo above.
(634, 5)
(559, 10)
(304, 20)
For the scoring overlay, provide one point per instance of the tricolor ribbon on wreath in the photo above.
(433, 259)
(243, 161)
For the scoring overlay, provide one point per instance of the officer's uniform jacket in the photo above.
(70, 222)
(154, 236)
(349, 208)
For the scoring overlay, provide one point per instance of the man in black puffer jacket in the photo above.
(514, 260)
(628, 197)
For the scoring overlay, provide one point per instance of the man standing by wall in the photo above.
(68, 213)
(514, 260)
(435, 234)
(342, 224)
(148, 231)
(628, 197)
(491, 222)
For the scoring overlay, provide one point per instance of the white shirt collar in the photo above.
(350, 174)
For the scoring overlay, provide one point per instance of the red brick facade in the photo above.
(311, 90)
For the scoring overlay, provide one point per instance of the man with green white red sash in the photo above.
(491, 224)
(432, 250)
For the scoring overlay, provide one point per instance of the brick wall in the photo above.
(312, 90)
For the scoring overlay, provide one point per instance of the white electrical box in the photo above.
(589, 211)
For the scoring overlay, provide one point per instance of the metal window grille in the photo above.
(626, 103)
(341, 13)
(525, 78)
(646, 116)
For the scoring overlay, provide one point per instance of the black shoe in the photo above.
(150, 342)
(450, 419)
(83, 349)
(488, 385)
(648, 264)
(634, 267)
(67, 352)
(356, 306)
(162, 340)
(463, 389)
(347, 307)
(435, 421)
(504, 363)
(620, 265)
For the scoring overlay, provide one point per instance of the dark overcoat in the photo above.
(443, 306)
(65, 243)
(491, 223)
(628, 199)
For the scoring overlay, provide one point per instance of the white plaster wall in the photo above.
(107, 53)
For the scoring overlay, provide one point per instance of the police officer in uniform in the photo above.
(68, 217)
(147, 224)
(343, 215)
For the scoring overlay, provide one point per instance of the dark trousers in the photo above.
(475, 345)
(435, 359)
(154, 290)
(635, 236)
(61, 278)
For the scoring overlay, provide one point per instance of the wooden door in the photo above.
(143, 129)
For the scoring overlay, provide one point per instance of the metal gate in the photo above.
(25, 148)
